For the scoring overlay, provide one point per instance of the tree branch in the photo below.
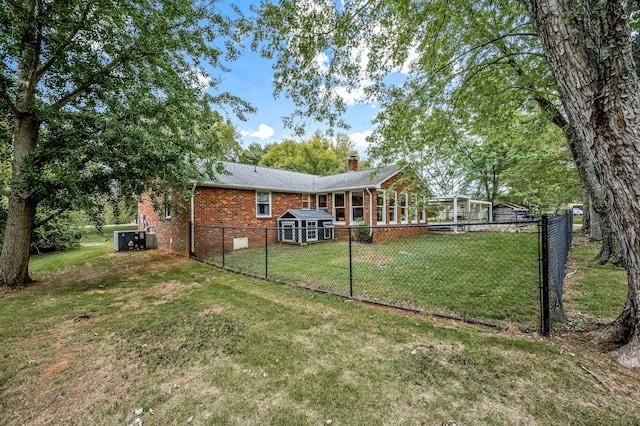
(48, 218)
(103, 73)
(5, 96)
(56, 54)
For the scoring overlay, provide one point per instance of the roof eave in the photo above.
(251, 187)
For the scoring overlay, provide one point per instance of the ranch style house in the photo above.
(248, 196)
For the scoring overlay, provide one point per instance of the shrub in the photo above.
(362, 233)
(56, 234)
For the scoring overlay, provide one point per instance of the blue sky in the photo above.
(251, 78)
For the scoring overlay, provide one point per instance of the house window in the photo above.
(357, 206)
(322, 202)
(423, 211)
(414, 208)
(339, 207)
(404, 210)
(380, 204)
(393, 208)
(167, 205)
(263, 204)
(306, 201)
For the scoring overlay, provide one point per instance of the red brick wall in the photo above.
(237, 207)
(172, 234)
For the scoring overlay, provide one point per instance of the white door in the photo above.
(312, 230)
(287, 232)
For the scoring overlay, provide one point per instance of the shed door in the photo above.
(288, 231)
(312, 230)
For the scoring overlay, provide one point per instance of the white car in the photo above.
(577, 212)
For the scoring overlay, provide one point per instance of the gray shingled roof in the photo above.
(245, 176)
(308, 214)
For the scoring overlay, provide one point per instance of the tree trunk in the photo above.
(586, 219)
(610, 249)
(596, 229)
(588, 49)
(14, 260)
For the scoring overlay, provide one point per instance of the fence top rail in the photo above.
(396, 226)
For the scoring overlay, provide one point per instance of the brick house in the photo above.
(256, 197)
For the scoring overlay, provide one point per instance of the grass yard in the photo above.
(489, 276)
(107, 338)
(594, 294)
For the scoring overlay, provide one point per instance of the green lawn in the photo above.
(103, 334)
(596, 293)
(489, 276)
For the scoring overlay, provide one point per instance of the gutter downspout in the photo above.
(370, 211)
(192, 222)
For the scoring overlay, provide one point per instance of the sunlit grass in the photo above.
(105, 334)
(596, 290)
(490, 276)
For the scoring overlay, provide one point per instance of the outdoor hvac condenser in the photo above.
(129, 240)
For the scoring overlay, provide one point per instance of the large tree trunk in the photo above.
(600, 230)
(610, 249)
(588, 49)
(586, 219)
(14, 260)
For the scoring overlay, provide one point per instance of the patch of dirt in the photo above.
(163, 289)
(214, 310)
(32, 339)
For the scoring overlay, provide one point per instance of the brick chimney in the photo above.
(353, 163)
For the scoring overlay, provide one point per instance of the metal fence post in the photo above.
(544, 290)
(222, 247)
(350, 265)
(266, 253)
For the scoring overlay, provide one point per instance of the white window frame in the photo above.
(306, 197)
(414, 208)
(343, 207)
(393, 208)
(353, 208)
(404, 208)
(423, 211)
(326, 199)
(262, 203)
(312, 230)
(379, 195)
(167, 205)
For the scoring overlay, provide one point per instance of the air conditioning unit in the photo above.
(150, 240)
(129, 240)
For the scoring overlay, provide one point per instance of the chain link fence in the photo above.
(485, 273)
(555, 241)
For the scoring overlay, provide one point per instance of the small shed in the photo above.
(510, 212)
(301, 226)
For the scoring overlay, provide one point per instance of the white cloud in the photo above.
(203, 79)
(322, 61)
(350, 96)
(264, 132)
(360, 140)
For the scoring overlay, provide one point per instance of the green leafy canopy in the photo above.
(451, 77)
(121, 91)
